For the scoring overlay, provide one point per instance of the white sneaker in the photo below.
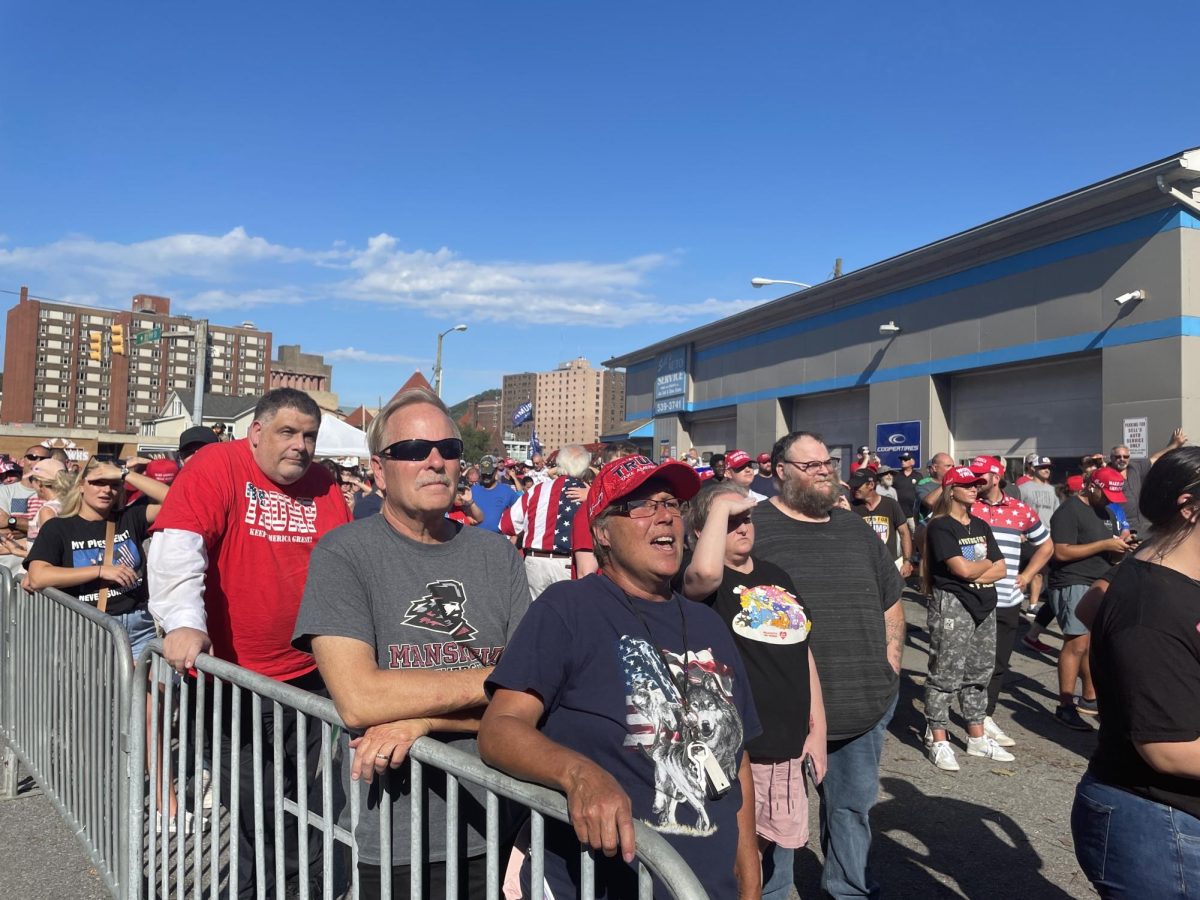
(985, 746)
(992, 730)
(941, 754)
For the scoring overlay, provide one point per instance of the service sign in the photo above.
(1136, 437)
(670, 377)
(894, 438)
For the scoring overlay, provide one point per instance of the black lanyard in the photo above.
(683, 683)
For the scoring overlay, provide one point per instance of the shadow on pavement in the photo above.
(980, 853)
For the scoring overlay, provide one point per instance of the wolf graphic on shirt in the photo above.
(676, 736)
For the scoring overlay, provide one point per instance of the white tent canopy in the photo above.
(338, 438)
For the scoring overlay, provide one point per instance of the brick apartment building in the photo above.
(573, 404)
(514, 391)
(51, 381)
(305, 372)
(484, 413)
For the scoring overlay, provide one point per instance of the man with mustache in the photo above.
(407, 613)
(851, 589)
(226, 569)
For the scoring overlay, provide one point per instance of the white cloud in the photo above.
(238, 271)
(353, 354)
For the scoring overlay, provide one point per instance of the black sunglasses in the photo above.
(418, 449)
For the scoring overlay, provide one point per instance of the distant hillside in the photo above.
(459, 409)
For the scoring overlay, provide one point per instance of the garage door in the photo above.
(713, 435)
(840, 417)
(1053, 408)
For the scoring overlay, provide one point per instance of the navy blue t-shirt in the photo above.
(493, 501)
(600, 668)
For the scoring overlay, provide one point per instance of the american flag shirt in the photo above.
(543, 515)
(1012, 521)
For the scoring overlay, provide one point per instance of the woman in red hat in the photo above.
(960, 564)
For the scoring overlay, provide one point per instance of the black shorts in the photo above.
(1027, 551)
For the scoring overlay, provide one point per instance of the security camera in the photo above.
(1131, 295)
(889, 328)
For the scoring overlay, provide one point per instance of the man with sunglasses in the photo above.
(852, 590)
(226, 569)
(407, 612)
(20, 491)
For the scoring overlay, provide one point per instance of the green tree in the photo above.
(476, 443)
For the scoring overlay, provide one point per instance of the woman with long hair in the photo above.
(960, 564)
(92, 550)
(1136, 818)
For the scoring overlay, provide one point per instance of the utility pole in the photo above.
(201, 334)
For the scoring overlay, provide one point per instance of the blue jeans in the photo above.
(1129, 846)
(848, 792)
(139, 625)
(777, 865)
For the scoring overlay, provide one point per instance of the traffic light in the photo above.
(96, 342)
(118, 339)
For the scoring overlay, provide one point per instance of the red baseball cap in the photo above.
(986, 465)
(764, 459)
(163, 470)
(623, 476)
(1075, 483)
(1111, 482)
(735, 459)
(961, 475)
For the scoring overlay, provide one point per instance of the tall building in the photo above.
(573, 404)
(484, 413)
(516, 390)
(306, 372)
(51, 379)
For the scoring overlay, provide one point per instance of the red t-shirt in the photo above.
(259, 536)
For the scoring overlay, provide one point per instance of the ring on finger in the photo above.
(383, 756)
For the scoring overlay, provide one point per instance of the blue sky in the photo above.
(567, 178)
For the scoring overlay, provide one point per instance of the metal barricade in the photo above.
(64, 714)
(217, 709)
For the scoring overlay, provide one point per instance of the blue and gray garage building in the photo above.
(1063, 328)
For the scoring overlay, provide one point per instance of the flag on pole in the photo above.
(535, 446)
(523, 414)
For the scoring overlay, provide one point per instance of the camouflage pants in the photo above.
(962, 656)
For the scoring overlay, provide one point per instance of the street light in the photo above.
(763, 282)
(437, 365)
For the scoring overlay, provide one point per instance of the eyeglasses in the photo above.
(418, 449)
(831, 464)
(1120, 456)
(105, 482)
(970, 487)
(644, 509)
(736, 522)
(32, 458)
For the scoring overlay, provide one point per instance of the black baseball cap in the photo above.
(195, 438)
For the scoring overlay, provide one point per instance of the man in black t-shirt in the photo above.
(885, 517)
(852, 589)
(1086, 543)
(905, 482)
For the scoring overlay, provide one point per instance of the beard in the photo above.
(812, 500)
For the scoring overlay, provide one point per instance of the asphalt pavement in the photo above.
(993, 830)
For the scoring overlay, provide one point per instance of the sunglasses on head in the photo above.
(418, 449)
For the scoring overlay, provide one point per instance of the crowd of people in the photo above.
(692, 644)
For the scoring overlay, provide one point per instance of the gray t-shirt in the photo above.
(1134, 476)
(421, 606)
(1041, 496)
(848, 580)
